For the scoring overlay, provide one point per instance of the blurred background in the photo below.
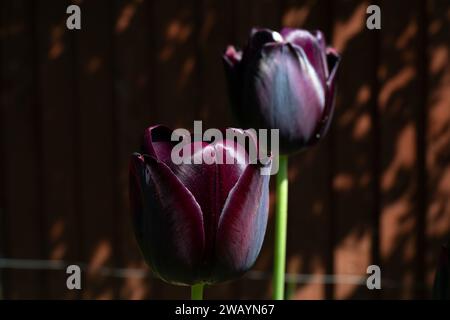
(75, 103)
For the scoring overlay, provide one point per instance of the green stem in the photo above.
(280, 229)
(197, 291)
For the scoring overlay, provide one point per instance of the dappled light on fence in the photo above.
(376, 190)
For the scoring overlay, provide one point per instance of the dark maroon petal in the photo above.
(327, 116)
(169, 226)
(312, 46)
(210, 185)
(232, 56)
(260, 37)
(286, 93)
(333, 60)
(287, 32)
(235, 73)
(250, 140)
(157, 143)
(242, 224)
(320, 39)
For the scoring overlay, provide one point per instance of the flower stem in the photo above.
(280, 229)
(197, 291)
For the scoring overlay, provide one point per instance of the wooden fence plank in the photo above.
(354, 199)
(215, 33)
(3, 228)
(135, 109)
(176, 73)
(437, 136)
(399, 102)
(59, 127)
(95, 157)
(21, 148)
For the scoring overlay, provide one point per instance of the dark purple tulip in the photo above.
(197, 222)
(284, 81)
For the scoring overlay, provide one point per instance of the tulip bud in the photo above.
(197, 222)
(284, 81)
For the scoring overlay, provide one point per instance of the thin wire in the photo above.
(35, 264)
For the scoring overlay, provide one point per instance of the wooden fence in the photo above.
(74, 104)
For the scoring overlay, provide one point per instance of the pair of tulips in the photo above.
(205, 223)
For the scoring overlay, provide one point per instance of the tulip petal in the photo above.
(285, 93)
(232, 56)
(333, 63)
(333, 60)
(261, 37)
(312, 45)
(157, 143)
(320, 39)
(167, 220)
(211, 183)
(324, 124)
(242, 224)
(245, 145)
(286, 31)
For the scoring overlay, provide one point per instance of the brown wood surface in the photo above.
(74, 104)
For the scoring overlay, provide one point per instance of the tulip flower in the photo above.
(283, 81)
(197, 223)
